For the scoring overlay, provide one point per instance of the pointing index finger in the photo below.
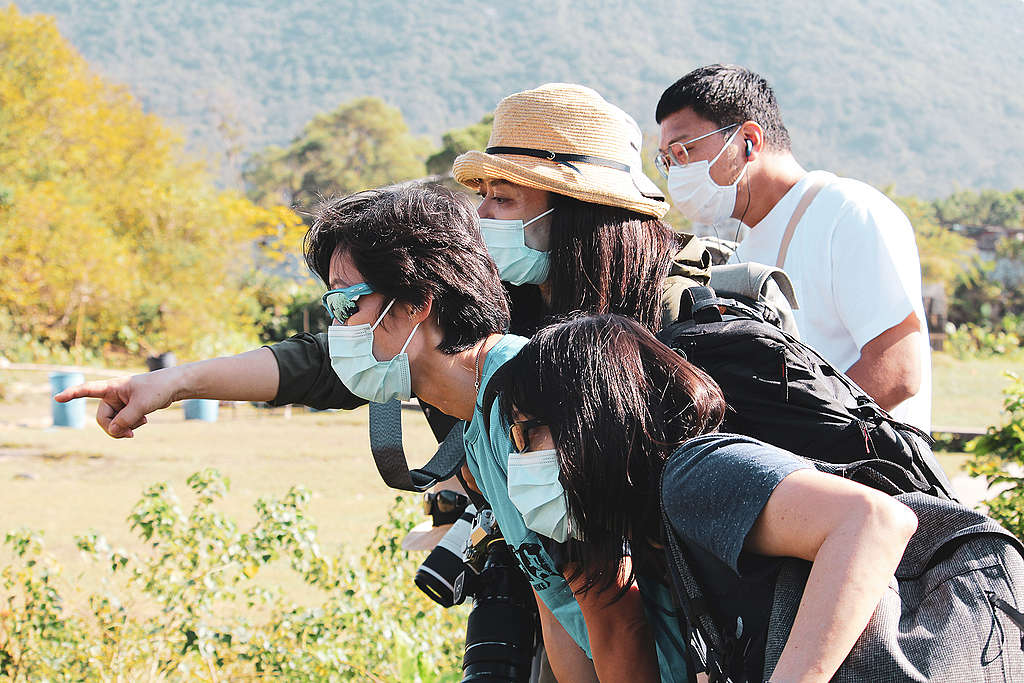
(99, 389)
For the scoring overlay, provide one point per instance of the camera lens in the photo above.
(442, 576)
(502, 628)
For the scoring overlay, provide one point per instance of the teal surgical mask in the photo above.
(517, 263)
(534, 489)
(351, 351)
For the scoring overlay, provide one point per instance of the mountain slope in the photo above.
(921, 94)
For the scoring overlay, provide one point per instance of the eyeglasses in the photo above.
(677, 154)
(341, 303)
(519, 433)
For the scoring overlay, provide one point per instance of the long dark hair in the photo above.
(618, 403)
(606, 259)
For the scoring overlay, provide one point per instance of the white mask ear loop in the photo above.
(541, 216)
(382, 314)
(720, 153)
(406, 345)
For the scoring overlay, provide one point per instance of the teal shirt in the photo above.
(487, 457)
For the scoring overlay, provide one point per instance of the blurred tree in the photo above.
(459, 141)
(987, 207)
(944, 253)
(361, 144)
(106, 230)
(987, 291)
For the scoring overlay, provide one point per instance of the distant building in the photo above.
(936, 307)
(985, 237)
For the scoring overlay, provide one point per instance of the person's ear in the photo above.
(753, 138)
(420, 313)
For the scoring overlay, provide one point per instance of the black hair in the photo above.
(606, 259)
(618, 403)
(727, 94)
(412, 242)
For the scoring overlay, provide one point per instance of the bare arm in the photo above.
(125, 402)
(569, 663)
(855, 537)
(889, 367)
(621, 640)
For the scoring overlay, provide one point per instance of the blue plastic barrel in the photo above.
(72, 413)
(201, 409)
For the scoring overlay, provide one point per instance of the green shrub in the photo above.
(191, 605)
(982, 341)
(999, 457)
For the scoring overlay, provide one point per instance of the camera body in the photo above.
(474, 559)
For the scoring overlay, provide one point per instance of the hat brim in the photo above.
(424, 536)
(594, 184)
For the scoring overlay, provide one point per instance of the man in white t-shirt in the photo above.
(849, 250)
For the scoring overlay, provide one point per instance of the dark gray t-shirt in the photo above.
(715, 487)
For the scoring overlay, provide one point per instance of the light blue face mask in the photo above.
(506, 243)
(534, 489)
(351, 351)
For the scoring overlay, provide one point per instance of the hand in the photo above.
(125, 401)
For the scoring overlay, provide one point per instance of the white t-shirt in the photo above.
(855, 270)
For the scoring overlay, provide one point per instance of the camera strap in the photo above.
(389, 454)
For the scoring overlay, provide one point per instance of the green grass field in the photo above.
(66, 482)
(969, 393)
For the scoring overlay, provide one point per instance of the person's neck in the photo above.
(448, 381)
(545, 292)
(775, 176)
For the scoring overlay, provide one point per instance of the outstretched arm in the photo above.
(125, 402)
(855, 537)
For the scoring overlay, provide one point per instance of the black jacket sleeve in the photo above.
(307, 377)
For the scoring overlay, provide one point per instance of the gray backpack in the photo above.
(953, 611)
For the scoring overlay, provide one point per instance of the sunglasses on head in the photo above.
(341, 303)
(443, 502)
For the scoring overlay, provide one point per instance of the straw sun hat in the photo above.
(569, 140)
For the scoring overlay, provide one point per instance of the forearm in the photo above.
(569, 663)
(626, 651)
(848, 578)
(889, 367)
(249, 376)
(890, 386)
(621, 640)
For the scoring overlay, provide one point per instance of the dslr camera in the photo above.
(473, 559)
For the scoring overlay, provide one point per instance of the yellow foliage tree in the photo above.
(944, 254)
(109, 234)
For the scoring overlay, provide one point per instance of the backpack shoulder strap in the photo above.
(708, 647)
(753, 281)
(787, 236)
(765, 286)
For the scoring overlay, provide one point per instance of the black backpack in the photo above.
(783, 392)
(961, 575)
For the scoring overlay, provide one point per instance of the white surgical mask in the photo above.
(517, 263)
(351, 351)
(534, 489)
(697, 195)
